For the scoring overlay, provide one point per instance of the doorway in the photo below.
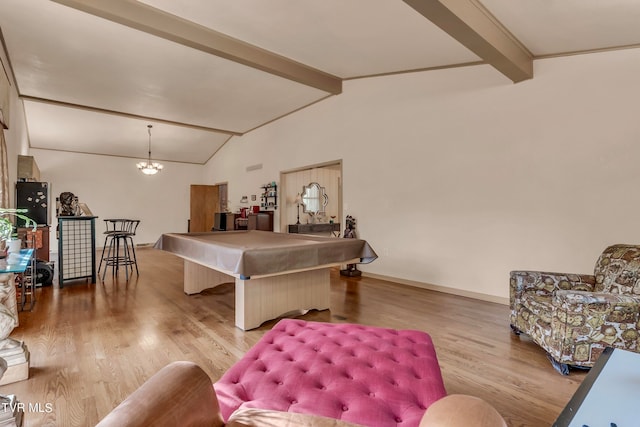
(327, 175)
(204, 202)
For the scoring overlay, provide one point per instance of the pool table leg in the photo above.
(266, 298)
(197, 278)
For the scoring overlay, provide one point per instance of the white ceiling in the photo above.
(91, 84)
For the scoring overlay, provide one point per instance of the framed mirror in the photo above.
(314, 198)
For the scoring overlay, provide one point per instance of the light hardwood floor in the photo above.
(93, 344)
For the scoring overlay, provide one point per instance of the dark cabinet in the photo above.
(223, 221)
(262, 220)
(39, 240)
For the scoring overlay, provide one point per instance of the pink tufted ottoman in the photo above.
(365, 375)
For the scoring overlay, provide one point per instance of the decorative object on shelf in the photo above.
(314, 199)
(350, 233)
(149, 167)
(297, 201)
(68, 204)
(269, 197)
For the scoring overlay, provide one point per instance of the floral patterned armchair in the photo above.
(575, 316)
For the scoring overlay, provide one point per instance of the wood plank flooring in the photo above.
(93, 344)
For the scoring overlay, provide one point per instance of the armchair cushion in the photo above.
(539, 305)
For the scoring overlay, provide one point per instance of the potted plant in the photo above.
(6, 226)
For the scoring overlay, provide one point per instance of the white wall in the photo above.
(16, 136)
(112, 187)
(458, 176)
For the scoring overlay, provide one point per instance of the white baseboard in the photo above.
(437, 288)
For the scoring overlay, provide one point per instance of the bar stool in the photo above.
(119, 234)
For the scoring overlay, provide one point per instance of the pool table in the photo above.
(274, 273)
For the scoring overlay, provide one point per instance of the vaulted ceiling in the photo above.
(92, 74)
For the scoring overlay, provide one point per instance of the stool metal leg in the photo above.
(125, 258)
(106, 239)
(135, 259)
(108, 259)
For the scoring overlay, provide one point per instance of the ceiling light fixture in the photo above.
(149, 167)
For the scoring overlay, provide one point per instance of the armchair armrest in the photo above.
(568, 298)
(612, 320)
(546, 283)
(181, 394)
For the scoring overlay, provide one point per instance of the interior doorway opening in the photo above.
(327, 175)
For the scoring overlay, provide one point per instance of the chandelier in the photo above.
(149, 167)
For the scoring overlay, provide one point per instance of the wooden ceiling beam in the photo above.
(143, 17)
(478, 30)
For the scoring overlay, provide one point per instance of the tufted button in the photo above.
(398, 419)
(372, 394)
(345, 408)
